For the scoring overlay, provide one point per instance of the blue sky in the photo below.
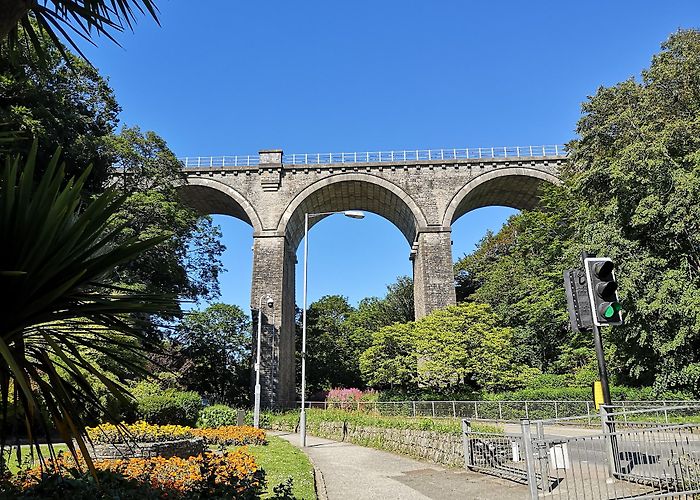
(230, 77)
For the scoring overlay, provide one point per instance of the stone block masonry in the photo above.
(422, 198)
(437, 447)
(183, 448)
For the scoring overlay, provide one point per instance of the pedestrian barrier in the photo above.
(631, 458)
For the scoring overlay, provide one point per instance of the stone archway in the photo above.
(509, 187)
(211, 197)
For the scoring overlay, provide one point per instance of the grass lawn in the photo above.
(282, 460)
(11, 458)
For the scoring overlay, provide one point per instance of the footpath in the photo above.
(354, 472)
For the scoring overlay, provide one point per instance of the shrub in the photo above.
(264, 419)
(342, 395)
(170, 407)
(217, 416)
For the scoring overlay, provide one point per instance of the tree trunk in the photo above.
(11, 11)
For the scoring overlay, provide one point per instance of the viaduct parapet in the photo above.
(421, 192)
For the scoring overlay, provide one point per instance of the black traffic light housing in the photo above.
(602, 291)
(577, 300)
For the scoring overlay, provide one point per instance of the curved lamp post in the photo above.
(256, 411)
(354, 214)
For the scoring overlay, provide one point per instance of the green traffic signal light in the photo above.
(610, 309)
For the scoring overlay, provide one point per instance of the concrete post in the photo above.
(433, 273)
(273, 275)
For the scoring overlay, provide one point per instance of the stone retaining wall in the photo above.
(441, 448)
(182, 448)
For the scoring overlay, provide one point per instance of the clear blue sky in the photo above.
(231, 77)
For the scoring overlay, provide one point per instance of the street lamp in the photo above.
(256, 411)
(353, 214)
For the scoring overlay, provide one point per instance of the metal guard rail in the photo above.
(555, 150)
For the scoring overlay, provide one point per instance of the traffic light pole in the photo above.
(602, 369)
(600, 355)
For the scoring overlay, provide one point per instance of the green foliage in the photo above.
(631, 191)
(78, 114)
(450, 348)
(217, 416)
(518, 272)
(637, 165)
(333, 359)
(169, 407)
(463, 345)
(212, 353)
(187, 262)
(341, 333)
(392, 360)
(264, 419)
(57, 257)
(314, 419)
(55, 20)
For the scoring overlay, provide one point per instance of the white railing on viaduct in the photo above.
(555, 150)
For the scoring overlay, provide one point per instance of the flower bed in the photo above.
(232, 474)
(232, 435)
(144, 440)
(140, 432)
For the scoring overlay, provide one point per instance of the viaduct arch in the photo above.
(422, 196)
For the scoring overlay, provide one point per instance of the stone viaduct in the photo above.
(421, 192)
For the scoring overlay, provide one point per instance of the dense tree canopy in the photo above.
(213, 353)
(79, 113)
(188, 261)
(637, 166)
(340, 333)
(631, 191)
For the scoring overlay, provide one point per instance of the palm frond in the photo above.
(55, 19)
(57, 257)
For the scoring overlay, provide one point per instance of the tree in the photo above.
(631, 191)
(78, 113)
(636, 164)
(391, 361)
(518, 272)
(188, 261)
(373, 313)
(53, 18)
(331, 359)
(463, 345)
(56, 262)
(214, 355)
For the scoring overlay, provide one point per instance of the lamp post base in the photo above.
(302, 428)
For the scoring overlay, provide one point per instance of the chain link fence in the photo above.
(577, 411)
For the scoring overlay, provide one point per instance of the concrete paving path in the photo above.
(355, 472)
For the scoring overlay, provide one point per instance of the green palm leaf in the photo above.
(56, 19)
(57, 257)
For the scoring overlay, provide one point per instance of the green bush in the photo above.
(170, 407)
(217, 416)
(264, 419)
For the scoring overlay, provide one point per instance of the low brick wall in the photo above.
(441, 448)
(182, 448)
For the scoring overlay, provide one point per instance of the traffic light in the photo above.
(577, 300)
(602, 290)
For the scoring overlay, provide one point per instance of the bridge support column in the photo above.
(273, 275)
(433, 273)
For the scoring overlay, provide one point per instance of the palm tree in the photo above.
(58, 253)
(68, 18)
